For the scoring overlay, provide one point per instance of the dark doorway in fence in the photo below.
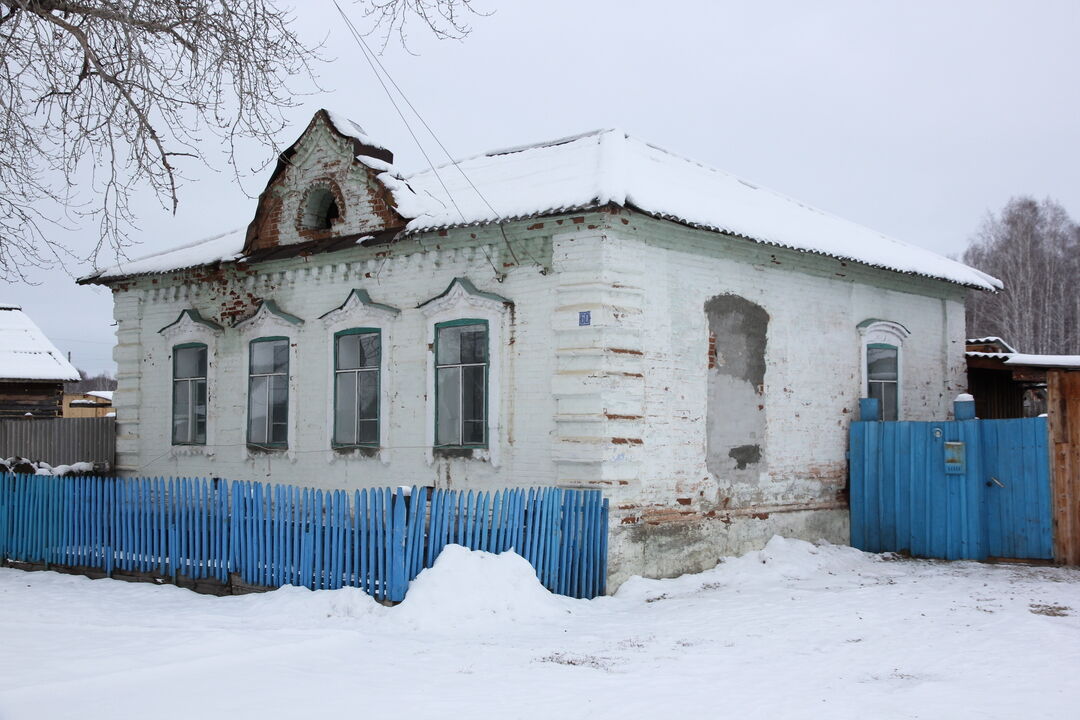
(226, 536)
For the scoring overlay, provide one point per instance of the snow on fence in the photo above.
(272, 535)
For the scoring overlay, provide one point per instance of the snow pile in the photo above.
(473, 589)
(782, 560)
(292, 607)
(22, 466)
(25, 352)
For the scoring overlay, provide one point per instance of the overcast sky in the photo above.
(912, 117)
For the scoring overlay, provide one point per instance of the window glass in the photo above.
(181, 412)
(189, 395)
(449, 393)
(357, 355)
(344, 410)
(881, 363)
(461, 384)
(882, 373)
(190, 361)
(268, 392)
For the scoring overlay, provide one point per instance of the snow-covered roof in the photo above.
(351, 128)
(25, 352)
(222, 247)
(990, 340)
(1057, 361)
(103, 394)
(609, 166)
(592, 170)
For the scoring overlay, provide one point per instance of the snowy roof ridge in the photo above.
(351, 128)
(611, 166)
(27, 354)
(597, 168)
(216, 248)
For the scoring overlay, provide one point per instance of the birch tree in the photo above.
(1034, 248)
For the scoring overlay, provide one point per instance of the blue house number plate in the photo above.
(584, 318)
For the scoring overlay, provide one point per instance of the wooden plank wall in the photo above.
(39, 399)
(1064, 414)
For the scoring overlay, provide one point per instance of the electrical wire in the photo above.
(373, 61)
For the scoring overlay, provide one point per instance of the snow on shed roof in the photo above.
(1054, 361)
(990, 340)
(609, 166)
(25, 352)
(591, 170)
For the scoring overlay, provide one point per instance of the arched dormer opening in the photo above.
(320, 209)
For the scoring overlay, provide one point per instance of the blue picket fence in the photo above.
(272, 535)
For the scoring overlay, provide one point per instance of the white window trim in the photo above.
(183, 331)
(884, 332)
(461, 300)
(359, 311)
(269, 321)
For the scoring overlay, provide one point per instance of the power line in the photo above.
(373, 60)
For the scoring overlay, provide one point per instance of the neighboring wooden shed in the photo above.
(1008, 384)
(32, 370)
(95, 403)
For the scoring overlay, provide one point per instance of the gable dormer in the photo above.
(325, 186)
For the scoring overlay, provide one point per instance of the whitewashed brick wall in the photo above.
(617, 405)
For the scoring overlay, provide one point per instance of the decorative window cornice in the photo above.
(359, 305)
(268, 315)
(461, 293)
(190, 322)
(888, 332)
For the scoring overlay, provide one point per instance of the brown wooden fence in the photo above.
(60, 441)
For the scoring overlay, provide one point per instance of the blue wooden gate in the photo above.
(970, 489)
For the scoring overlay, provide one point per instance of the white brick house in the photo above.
(600, 313)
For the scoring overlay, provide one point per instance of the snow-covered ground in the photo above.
(793, 631)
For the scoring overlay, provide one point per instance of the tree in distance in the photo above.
(1034, 249)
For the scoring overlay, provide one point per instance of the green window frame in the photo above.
(462, 369)
(189, 368)
(883, 378)
(268, 392)
(357, 387)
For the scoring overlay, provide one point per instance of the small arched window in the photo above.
(320, 209)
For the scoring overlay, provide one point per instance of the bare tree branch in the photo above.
(118, 91)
